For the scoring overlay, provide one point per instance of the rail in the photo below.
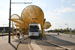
(21, 41)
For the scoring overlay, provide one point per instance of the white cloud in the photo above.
(41, 4)
(56, 21)
(73, 4)
(65, 10)
(69, 1)
(51, 15)
(4, 12)
(56, 24)
(16, 9)
(62, 0)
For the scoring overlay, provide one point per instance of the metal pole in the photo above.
(42, 27)
(70, 33)
(9, 22)
(21, 30)
(9, 39)
(12, 30)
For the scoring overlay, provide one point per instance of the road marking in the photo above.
(29, 45)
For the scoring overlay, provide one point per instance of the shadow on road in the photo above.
(13, 46)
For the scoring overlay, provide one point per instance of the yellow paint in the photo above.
(42, 33)
(42, 27)
(32, 34)
(30, 14)
(12, 30)
(21, 30)
(47, 25)
(16, 31)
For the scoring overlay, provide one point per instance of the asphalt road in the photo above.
(62, 40)
(47, 46)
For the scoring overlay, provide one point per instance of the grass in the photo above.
(69, 32)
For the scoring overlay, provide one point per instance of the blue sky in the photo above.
(57, 12)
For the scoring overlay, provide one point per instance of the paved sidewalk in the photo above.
(4, 45)
(68, 35)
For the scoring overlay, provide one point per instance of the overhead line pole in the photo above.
(21, 2)
(9, 21)
(9, 39)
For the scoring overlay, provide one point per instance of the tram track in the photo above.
(45, 45)
(31, 44)
(40, 44)
(34, 46)
(20, 41)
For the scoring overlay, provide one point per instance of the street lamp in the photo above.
(10, 14)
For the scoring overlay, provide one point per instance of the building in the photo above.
(4, 29)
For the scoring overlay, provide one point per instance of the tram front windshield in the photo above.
(34, 28)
